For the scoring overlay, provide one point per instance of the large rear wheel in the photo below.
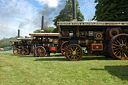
(64, 46)
(118, 47)
(74, 52)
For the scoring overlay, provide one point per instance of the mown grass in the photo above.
(91, 70)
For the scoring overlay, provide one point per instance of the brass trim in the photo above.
(48, 45)
(113, 29)
(101, 41)
(94, 41)
(97, 33)
(79, 42)
(87, 43)
(99, 23)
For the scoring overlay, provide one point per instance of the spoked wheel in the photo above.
(74, 52)
(40, 51)
(15, 51)
(64, 46)
(118, 47)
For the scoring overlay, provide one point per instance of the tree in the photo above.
(46, 30)
(111, 10)
(66, 13)
(37, 31)
(5, 42)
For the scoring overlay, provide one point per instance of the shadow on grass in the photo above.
(51, 59)
(62, 58)
(96, 58)
(118, 71)
(18, 55)
(25, 56)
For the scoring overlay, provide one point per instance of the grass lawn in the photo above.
(56, 70)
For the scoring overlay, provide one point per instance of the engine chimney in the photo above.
(42, 25)
(18, 33)
(74, 10)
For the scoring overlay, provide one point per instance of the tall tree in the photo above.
(111, 10)
(66, 13)
(46, 30)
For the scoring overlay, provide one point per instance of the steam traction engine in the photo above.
(45, 43)
(15, 44)
(106, 38)
(25, 46)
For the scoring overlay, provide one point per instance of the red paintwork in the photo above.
(53, 48)
(97, 46)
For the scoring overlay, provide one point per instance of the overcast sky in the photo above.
(26, 14)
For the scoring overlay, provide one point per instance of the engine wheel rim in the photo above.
(120, 47)
(64, 46)
(40, 51)
(74, 52)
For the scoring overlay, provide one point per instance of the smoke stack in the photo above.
(18, 33)
(42, 25)
(74, 10)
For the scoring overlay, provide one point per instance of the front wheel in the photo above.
(40, 51)
(118, 47)
(15, 51)
(74, 52)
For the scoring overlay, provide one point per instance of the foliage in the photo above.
(66, 13)
(111, 10)
(37, 31)
(91, 70)
(46, 30)
(5, 42)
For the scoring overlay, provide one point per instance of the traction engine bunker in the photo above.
(45, 43)
(99, 38)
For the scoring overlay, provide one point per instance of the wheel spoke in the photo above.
(71, 50)
(117, 52)
(116, 45)
(116, 49)
(118, 42)
(125, 55)
(125, 41)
